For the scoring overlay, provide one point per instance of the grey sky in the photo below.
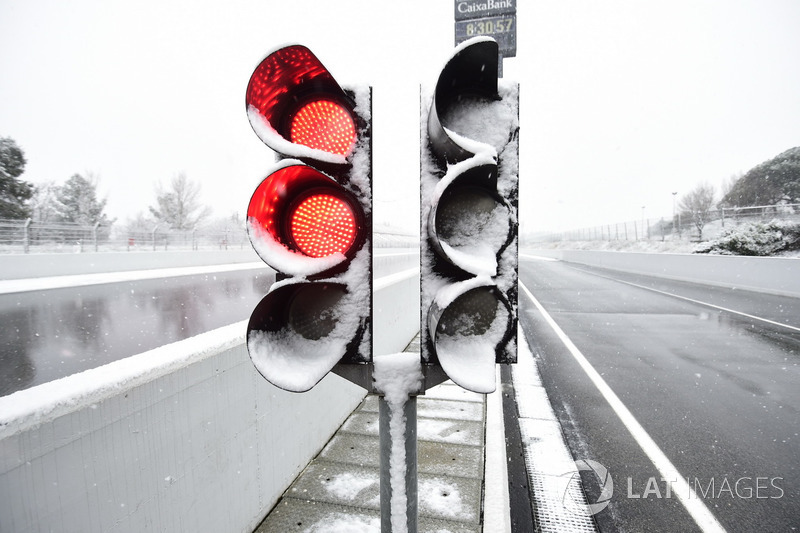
(623, 102)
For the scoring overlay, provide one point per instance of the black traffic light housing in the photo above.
(469, 183)
(311, 220)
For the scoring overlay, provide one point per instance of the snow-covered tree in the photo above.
(772, 182)
(14, 192)
(76, 201)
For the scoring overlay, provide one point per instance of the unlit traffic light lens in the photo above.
(311, 311)
(324, 125)
(471, 314)
(322, 225)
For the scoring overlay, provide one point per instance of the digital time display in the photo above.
(502, 28)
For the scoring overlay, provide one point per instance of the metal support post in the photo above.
(387, 422)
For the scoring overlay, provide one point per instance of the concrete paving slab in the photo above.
(431, 429)
(292, 515)
(339, 484)
(343, 482)
(450, 409)
(432, 457)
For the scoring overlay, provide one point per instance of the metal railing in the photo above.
(29, 236)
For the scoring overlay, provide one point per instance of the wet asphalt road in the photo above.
(45, 335)
(718, 392)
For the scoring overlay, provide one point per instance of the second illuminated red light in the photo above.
(322, 225)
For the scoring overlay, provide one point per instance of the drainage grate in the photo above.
(559, 501)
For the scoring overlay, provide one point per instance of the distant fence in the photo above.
(29, 236)
(681, 227)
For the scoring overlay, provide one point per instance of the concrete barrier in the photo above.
(186, 437)
(772, 275)
(18, 266)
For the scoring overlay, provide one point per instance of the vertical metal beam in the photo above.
(410, 445)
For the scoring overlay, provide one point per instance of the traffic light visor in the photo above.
(470, 322)
(293, 100)
(299, 331)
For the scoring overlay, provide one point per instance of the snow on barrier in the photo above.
(21, 266)
(186, 437)
(772, 275)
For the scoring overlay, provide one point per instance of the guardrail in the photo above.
(186, 437)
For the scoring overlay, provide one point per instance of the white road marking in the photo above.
(537, 257)
(496, 502)
(680, 487)
(82, 280)
(700, 302)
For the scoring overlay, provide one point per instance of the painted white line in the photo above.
(537, 257)
(390, 279)
(551, 470)
(497, 509)
(82, 280)
(680, 487)
(377, 253)
(700, 302)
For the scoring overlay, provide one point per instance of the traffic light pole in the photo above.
(398, 478)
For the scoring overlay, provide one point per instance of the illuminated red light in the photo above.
(278, 91)
(322, 225)
(324, 125)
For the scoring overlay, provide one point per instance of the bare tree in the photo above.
(728, 185)
(179, 205)
(697, 206)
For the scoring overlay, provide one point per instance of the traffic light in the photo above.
(469, 183)
(311, 220)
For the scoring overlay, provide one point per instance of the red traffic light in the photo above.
(302, 222)
(324, 125)
(322, 224)
(294, 105)
(310, 220)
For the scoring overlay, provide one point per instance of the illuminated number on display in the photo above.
(489, 27)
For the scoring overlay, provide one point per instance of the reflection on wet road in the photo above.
(50, 334)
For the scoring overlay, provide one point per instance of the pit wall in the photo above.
(772, 275)
(186, 437)
(21, 266)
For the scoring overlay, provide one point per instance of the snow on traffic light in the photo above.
(311, 220)
(469, 183)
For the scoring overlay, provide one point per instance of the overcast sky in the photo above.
(623, 102)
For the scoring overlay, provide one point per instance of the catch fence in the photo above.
(28, 236)
(680, 227)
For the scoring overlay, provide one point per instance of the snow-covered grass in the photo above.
(762, 239)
